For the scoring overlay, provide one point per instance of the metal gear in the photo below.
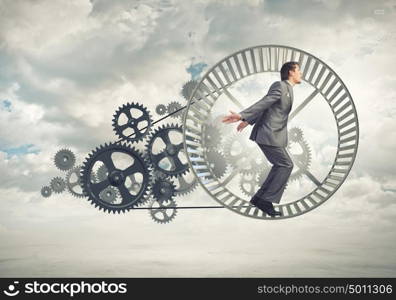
(253, 164)
(248, 184)
(64, 159)
(217, 162)
(167, 160)
(133, 123)
(116, 177)
(163, 189)
(174, 106)
(232, 156)
(133, 185)
(101, 173)
(73, 181)
(295, 134)
(109, 194)
(211, 136)
(304, 158)
(160, 212)
(46, 191)
(239, 154)
(161, 109)
(183, 186)
(188, 88)
(58, 184)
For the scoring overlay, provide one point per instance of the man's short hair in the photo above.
(289, 66)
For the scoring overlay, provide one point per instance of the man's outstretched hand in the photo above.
(232, 118)
(235, 117)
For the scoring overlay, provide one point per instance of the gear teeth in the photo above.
(58, 185)
(93, 197)
(139, 135)
(61, 163)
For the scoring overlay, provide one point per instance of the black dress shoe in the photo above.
(273, 213)
(265, 206)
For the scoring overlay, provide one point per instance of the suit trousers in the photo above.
(275, 183)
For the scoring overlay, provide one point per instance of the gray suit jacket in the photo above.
(270, 114)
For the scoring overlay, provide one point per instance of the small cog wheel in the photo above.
(163, 189)
(173, 107)
(46, 191)
(188, 88)
(161, 109)
(217, 163)
(164, 153)
(64, 159)
(163, 211)
(58, 184)
(116, 177)
(109, 194)
(132, 122)
(184, 186)
(295, 134)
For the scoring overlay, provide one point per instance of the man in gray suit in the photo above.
(269, 116)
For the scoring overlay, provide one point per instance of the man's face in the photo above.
(295, 74)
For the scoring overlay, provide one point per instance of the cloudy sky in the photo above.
(66, 66)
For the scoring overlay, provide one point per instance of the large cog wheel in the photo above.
(133, 183)
(239, 154)
(64, 159)
(167, 160)
(116, 177)
(137, 125)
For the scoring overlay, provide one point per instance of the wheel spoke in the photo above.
(177, 162)
(125, 195)
(100, 186)
(128, 114)
(141, 118)
(165, 137)
(158, 157)
(302, 105)
(123, 127)
(106, 159)
(135, 168)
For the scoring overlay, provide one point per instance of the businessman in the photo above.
(269, 116)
